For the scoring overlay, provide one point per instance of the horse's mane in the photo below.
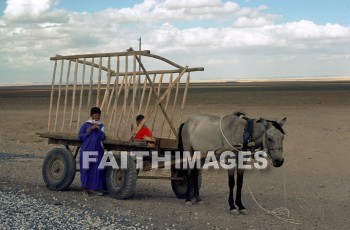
(277, 126)
(238, 114)
(274, 123)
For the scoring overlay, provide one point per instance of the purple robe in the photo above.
(92, 178)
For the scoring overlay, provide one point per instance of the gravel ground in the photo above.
(316, 167)
(8, 156)
(20, 211)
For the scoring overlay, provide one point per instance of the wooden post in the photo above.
(117, 92)
(126, 92)
(114, 94)
(174, 105)
(111, 95)
(131, 110)
(51, 97)
(134, 88)
(81, 93)
(156, 105)
(59, 95)
(91, 84)
(116, 82)
(185, 96)
(134, 91)
(166, 103)
(66, 96)
(99, 82)
(123, 112)
(73, 96)
(106, 95)
(150, 94)
(142, 95)
(116, 129)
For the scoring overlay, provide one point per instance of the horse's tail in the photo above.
(180, 145)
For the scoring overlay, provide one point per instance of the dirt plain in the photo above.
(316, 151)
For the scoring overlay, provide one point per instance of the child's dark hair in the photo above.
(95, 110)
(139, 117)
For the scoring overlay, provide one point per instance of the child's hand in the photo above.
(93, 127)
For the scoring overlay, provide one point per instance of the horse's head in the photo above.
(272, 139)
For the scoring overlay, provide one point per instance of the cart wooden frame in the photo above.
(121, 94)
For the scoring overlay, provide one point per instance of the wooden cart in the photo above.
(106, 80)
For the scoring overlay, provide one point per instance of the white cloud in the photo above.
(254, 22)
(19, 9)
(309, 30)
(154, 11)
(32, 31)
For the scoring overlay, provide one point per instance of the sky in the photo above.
(232, 40)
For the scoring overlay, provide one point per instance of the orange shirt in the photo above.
(144, 132)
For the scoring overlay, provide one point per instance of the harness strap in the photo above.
(222, 133)
(248, 134)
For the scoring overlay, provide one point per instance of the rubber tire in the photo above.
(127, 179)
(65, 163)
(179, 187)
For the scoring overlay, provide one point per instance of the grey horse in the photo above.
(206, 133)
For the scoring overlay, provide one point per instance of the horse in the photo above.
(205, 133)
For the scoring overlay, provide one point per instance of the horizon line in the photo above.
(247, 80)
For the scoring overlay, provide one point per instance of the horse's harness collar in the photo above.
(248, 141)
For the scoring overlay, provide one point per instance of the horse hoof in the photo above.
(200, 202)
(234, 212)
(244, 212)
(188, 203)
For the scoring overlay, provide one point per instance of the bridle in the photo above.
(266, 148)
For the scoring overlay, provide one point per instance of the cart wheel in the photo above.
(58, 169)
(180, 186)
(121, 183)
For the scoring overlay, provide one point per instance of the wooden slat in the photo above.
(110, 143)
(73, 97)
(174, 105)
(150, 72)
(81, 94)
(184, 97)
(142, 95)
(59, 95)
(99, 82)
(91, 84)
(166, 104)
(66, 97)
(156, 105)
(52, 91)
(97, 55)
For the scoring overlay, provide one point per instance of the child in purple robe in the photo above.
(91, 134)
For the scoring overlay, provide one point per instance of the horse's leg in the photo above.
(189, 175)
(231, 185)
(195, 185)
(240, 174)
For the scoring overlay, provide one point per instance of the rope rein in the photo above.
(222, 133)
(282, 213)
